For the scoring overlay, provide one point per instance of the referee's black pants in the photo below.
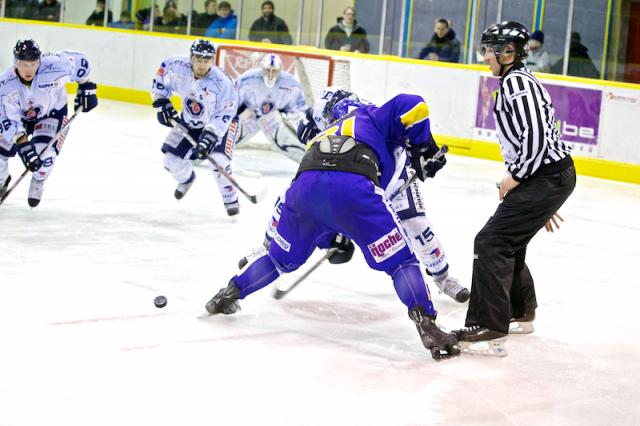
(502, 286)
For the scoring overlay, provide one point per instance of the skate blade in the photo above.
(495, 347)
(521, 327)
(450, 351)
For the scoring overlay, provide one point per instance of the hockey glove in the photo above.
(207, 140)
(307, 128)
(165, 110)
(86, 97)
(29, 156)
(422, 161)
(345, 250)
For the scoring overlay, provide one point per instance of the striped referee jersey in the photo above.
(525, 121)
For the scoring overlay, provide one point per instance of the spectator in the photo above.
(226, 24)
(171, 20)
(204, 20)
(443, 46)
(143, 16)
(97, 17)
(347, 36)
(125, 21)
(21, 9)
(269, 28)
(580, 63)
(538, 58)
(49, 10)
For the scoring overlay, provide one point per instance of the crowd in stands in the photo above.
(218, 20)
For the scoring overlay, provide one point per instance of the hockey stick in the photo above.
(279, 294)
(53, 140)
(253, 198)
(437, 156)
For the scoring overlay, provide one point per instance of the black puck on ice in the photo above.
(160, 302)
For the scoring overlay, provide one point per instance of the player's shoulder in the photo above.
(288, 80)
(218, 77)
(176, 64)
(8, 79)
(250, 76)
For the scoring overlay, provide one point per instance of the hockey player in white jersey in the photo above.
(271, 101)
(334, 104)
(34, 96)
(209, 103)
(8, 134)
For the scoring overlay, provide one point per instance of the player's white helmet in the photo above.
(271, 66)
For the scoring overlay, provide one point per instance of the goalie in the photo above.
(271, 101)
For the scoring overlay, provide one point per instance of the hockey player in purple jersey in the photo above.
(338, 196)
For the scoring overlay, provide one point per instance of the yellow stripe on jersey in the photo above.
(415, 115)
(348, 127)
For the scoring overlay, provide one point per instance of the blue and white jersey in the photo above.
(286, 95)
(209, 102)
(8, 130)
(46, 95)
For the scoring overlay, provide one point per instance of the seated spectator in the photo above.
(226, 24)
(204, 20)
(171, 20)
(347, 36)
(580, 63)
(143, 16)
(538, 58)
(125, 21)
(269, 28)
(97, 17)
(21, 9)
(443, 46)
(49, 10)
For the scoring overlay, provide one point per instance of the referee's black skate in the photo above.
(479, 340)
(522, 324)
(225, 301)
(441, 344)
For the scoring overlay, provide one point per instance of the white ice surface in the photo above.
(82, 344)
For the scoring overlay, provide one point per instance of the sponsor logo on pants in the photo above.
(387, 245)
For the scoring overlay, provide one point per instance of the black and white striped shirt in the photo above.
(526, 124)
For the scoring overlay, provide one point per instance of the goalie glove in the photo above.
(424, 161)
(86, 98)
(166, 112)
(345, 250)
(29, 156)
(207, 140)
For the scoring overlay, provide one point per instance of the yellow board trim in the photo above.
(605, 47)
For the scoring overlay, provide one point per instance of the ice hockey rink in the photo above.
(81, 342)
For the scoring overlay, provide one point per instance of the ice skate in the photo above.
(478, 340)
(35, 192)
(232, 208)
(523, 324)
(5, 186)
(441, 344)
(452, 288)
(183, 188)
(225, 301)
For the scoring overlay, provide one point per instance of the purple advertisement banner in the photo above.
(577, 110)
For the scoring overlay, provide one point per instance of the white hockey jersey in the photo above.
(286, 95)
(47, 93)
(209, 102)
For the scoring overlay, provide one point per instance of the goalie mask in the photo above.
(271, 65)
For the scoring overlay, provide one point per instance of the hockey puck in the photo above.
(160, 302)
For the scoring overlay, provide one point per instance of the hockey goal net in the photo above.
(314, 71)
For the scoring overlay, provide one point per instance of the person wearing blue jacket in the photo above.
(225, 25)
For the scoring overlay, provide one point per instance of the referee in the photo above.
(540, 177)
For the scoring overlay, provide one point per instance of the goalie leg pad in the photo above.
(281, 135)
